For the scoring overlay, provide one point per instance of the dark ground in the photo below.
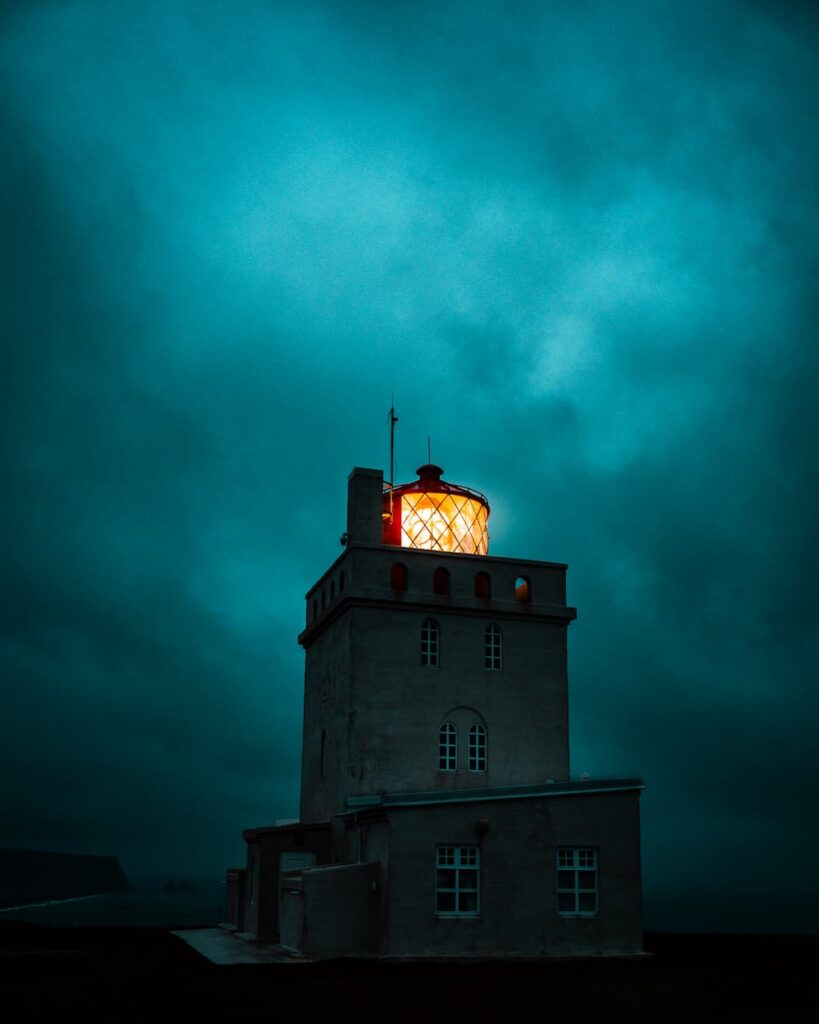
(148, 974)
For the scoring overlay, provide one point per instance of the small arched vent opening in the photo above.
(440, 582)
(399, 577)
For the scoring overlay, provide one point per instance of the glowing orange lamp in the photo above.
(436, 516)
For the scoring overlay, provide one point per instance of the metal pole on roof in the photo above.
(393, 418)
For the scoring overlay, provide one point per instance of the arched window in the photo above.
(323, 752)
(477, 748)
(483, 585)
(523, 589)
(399, 576)
(341, 581)
(323, 599)
(429, 642)
(447, 748)
(440, 581)
(333, 590)
(315, 610)
(493, 648)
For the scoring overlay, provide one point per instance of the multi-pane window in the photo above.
(448, 748)
(577, 880)
(493, 648)
(477, 748)
(457, 881)
(429, 642)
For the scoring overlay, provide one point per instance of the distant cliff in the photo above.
(31, 876)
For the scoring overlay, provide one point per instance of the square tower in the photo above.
(429, 669)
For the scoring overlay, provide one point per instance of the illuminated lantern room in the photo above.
(436, 516)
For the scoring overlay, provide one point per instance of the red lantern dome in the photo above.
(436, 516)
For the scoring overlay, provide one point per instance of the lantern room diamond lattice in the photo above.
(444, 522)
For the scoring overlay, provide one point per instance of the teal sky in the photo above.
(577, 242)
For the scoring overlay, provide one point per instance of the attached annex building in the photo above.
(438, 816)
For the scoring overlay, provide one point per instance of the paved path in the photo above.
(223, 947)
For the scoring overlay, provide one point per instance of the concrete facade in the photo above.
(517, 842)
(375, 711)
(485, 847)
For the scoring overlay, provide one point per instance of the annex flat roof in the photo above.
(492, 793)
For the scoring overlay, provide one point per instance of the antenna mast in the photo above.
(392, 416)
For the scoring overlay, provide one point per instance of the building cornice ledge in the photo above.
(489, 794)
(434, 605)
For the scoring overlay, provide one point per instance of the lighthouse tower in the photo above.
(429, 664)
(438, 814)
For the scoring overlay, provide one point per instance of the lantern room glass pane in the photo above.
(444, 522)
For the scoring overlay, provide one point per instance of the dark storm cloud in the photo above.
(127, 714)
(579, 244)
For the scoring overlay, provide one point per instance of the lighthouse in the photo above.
(438, 812)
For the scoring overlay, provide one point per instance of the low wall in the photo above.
(340, 910)
(235, 898)
(291, 921)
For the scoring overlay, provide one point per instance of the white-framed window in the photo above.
(448, 748)
(429, 642)
(477, 748)
(577, 887)
(493, 648)
(457, 881)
